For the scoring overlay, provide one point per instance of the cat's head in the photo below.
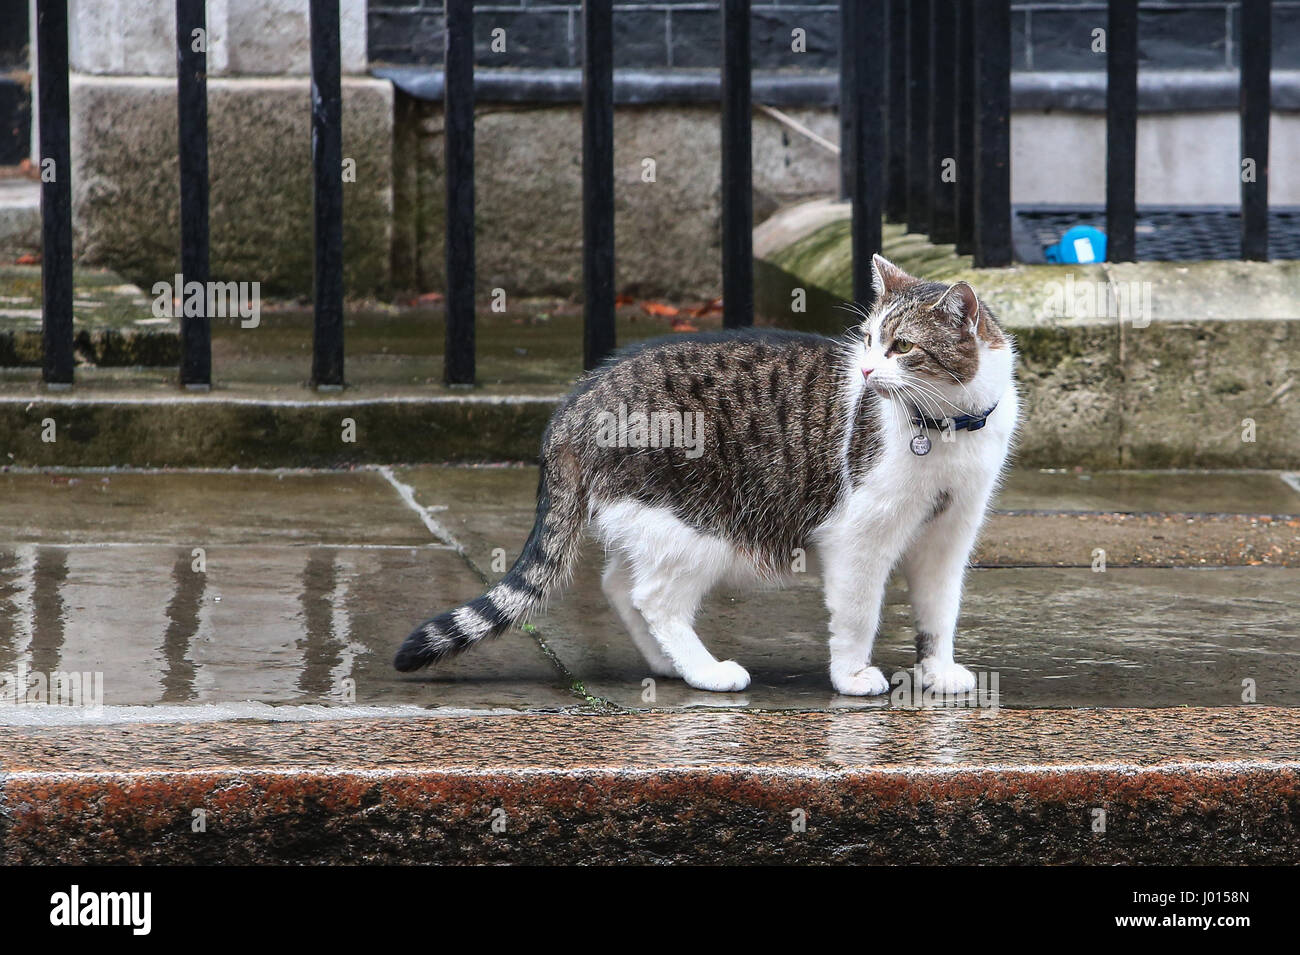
(935, 346)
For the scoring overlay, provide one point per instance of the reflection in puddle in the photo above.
(182, 627)
(329, 654)
(49, 575)
(16, 569)
(297, 624)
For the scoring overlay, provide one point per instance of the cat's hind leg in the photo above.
(672, 566)
(668, 606)
(617, 584)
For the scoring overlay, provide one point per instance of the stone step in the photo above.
(1208, 383)
(113, 322)
(1169, 786)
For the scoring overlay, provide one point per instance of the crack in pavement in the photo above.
(444, 534)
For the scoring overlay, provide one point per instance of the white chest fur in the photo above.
(903, 489)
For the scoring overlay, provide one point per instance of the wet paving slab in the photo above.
(204, 508)
(1156, 492)
(1053, 519)
(1101, 633)
(272, 625)
(216, 589)
(1034, 638)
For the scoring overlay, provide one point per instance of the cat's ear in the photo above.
(960, 303)
(887, 278)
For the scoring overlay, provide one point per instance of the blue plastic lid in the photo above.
(1081, 244)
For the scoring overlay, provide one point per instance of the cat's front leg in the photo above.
(855, 589)
(935, 568)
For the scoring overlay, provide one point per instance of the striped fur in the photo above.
(542, 568)
(756, 389)
(797, 442)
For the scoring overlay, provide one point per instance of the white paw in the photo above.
(868, 681)
(945, 676)
(725, 677)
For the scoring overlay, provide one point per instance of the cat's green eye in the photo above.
(901, 346)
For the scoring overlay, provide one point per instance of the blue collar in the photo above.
(961, 422)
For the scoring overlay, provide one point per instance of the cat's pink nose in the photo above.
(866, 372)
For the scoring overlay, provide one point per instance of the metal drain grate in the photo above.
(1164, 234)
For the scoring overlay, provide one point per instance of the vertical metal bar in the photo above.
(327, 161)
(993, 134)
(965, 81)
(943, 121)
(849, 52)
(737, 169)
(869, 93)
(896, 174)
(598, 180)
(1121, 130)
(918, 116)
(56, 191)
(192, 117)
(458, 140)
(1256, 105)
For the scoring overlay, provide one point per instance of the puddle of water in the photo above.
(1222, 492)
(257, 624)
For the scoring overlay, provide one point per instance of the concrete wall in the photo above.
(247, 37)
(125, 177)
(528, 193)
(1184, 158)
(126, 180)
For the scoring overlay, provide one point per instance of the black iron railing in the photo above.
(949, 93)
(458, 140)
(598, 337)
(865, 100)
(1121, 130)
(56, 192)
(1256, 104)
(926, 140)
(192, 109)
(327, 205)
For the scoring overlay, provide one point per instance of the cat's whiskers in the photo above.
(928, 389)
(903, 420)
(856, 309)
(923, 405)
(933, 393)
(890, 412)
(962, 384)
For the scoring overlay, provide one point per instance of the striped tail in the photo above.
(542, 568)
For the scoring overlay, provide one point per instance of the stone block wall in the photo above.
(1051, 35)
(125, 177)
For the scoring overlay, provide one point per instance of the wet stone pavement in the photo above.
(266, 594)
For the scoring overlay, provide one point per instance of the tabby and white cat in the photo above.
(880, 449)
